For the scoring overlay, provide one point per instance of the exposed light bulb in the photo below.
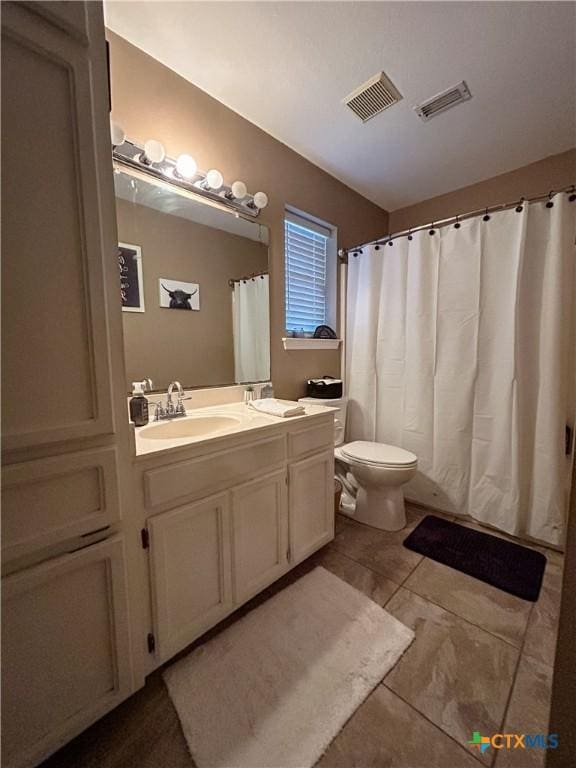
(117, 134)
(154, 151)
(214, 179)
(260, 200)
(239, 190)
(186, 166)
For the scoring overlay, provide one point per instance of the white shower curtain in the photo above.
(460, 348)
(251, 326)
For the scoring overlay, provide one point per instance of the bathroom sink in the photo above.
(190, 426)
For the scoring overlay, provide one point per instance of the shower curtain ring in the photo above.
(520, 207)
(550, 204)
(572, 195)
(410, 234)
(432, 231)
(486, 216)
(457, 225)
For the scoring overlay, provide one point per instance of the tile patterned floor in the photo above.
(481, 660)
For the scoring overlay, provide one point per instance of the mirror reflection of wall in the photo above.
(204, 289)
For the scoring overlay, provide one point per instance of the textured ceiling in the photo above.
(286, 66)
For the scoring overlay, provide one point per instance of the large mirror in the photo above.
(194, 287)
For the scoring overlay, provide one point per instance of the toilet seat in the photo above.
(378, 455)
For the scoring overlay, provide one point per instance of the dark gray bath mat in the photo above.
(500, 563)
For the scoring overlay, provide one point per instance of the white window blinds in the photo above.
(306, 273)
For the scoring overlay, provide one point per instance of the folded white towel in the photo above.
(275, 407)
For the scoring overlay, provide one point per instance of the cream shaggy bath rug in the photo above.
(274, 689)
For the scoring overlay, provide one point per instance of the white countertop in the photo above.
(248, 420)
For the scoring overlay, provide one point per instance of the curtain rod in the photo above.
(343, 252)
(246, 277)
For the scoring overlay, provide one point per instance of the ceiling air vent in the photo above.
(443, 101)
(372, 97)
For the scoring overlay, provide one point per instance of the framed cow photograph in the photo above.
(131, 283)
(175, 294)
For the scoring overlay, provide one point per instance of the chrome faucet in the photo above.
(178, 409)
(171, 411)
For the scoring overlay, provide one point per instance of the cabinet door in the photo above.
(56, 179)
(65, 649)
(259, 534)
(190, 571)
(311, 511)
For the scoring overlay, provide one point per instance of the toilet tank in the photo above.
(341, 403)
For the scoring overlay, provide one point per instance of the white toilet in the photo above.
(372, 474)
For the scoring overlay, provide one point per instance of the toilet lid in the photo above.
(379, 454)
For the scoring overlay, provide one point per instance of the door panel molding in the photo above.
(73, 397)
(259, 534)
(311, 504)
(48, 501)
(37, 599)
(190, 571)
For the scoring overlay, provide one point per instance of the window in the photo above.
(310, 266)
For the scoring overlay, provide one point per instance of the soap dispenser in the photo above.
(138, 404)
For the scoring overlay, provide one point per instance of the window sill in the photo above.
(292, 343)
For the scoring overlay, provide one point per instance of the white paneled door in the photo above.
(259, 534)
(190, 571)
(65, 654)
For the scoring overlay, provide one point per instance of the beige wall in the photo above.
(151, 101)
(195, 348)
(553, 172)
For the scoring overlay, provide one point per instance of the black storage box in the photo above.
(326, 388)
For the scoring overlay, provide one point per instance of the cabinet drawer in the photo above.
(209, 473)
(50, 500)
(311, 439)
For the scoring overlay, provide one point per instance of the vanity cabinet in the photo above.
(211, 555)
(271, 505)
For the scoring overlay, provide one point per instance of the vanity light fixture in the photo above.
(151, 159)
(238, 191)
(214, 180)
(260, 200)
(154, 152)
(186, 167)
(117, 134)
